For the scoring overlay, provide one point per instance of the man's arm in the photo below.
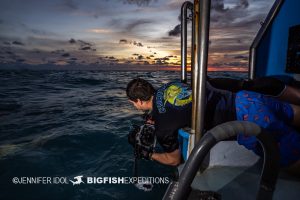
(173, 158)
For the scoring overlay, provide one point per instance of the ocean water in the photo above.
(73, 123)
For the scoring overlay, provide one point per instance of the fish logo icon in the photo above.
(78, 180)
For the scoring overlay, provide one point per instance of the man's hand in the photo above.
(143, 153)
(173, 158)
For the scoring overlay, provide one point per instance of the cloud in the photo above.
(138, 44)
(59, 51)
(84, 43)
(176, 31)
(65, 55)
(129, 27)
(218, 5)
(135, 43)
(140, 57)
(20, 60)
(9, 53)
(99, 30)
(123, 41)
(85, 48)
(6, 43)
(17, 43)
(139, 2)
(70, 4)
(72, 41)
(243, 4)
(240, 57)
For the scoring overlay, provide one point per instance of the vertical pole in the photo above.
(195, 70)
(202, 19)
(252, 60)
(184, 20)
(183, 42)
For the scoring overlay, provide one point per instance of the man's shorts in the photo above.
(273, 115)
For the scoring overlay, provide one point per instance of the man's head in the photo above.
(140, 93)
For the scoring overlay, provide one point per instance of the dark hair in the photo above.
(139, 89)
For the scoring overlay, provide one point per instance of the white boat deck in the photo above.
(242, 183)
(237, 178)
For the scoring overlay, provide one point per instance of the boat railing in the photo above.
(262, 31)
(185, 8)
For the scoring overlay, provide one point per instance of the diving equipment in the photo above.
(143, 140)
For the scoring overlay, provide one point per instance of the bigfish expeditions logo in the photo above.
(77, 180)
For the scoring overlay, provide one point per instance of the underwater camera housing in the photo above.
(142, 138)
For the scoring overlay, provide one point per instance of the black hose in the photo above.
(180, 190)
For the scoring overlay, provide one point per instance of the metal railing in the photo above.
(199, 58)
(184, 21)
(268, 21)
(199, 72)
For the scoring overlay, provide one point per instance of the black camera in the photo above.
(143, 139)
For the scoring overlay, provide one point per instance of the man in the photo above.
(168, 114)
(171, 104)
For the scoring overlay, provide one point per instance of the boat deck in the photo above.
(242, 183)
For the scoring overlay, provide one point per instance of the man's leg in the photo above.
(274, 116)
(291, 95)
(296, 119)
(295, 169)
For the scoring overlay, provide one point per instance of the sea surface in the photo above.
(73, 123)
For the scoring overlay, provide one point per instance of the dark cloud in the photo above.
(229, 64)
(20, 60)
(65, 55)
(151, 56)
(140, 57)
(176, 31)
(123, 41)
(240, 57)
(135, 54)
(139, 44)
(9, 53)
(36, 51)
(84, 43)
(70, 4)
(41, 32)
(129, 27)
(139, 2)
(59, 51)
(6, 43)
(17, 43)
(72, 41)
(85, 48)
(110, 57)
(73, 59)
(242, 4)
(218, 5)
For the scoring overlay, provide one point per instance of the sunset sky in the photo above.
(120, 34)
